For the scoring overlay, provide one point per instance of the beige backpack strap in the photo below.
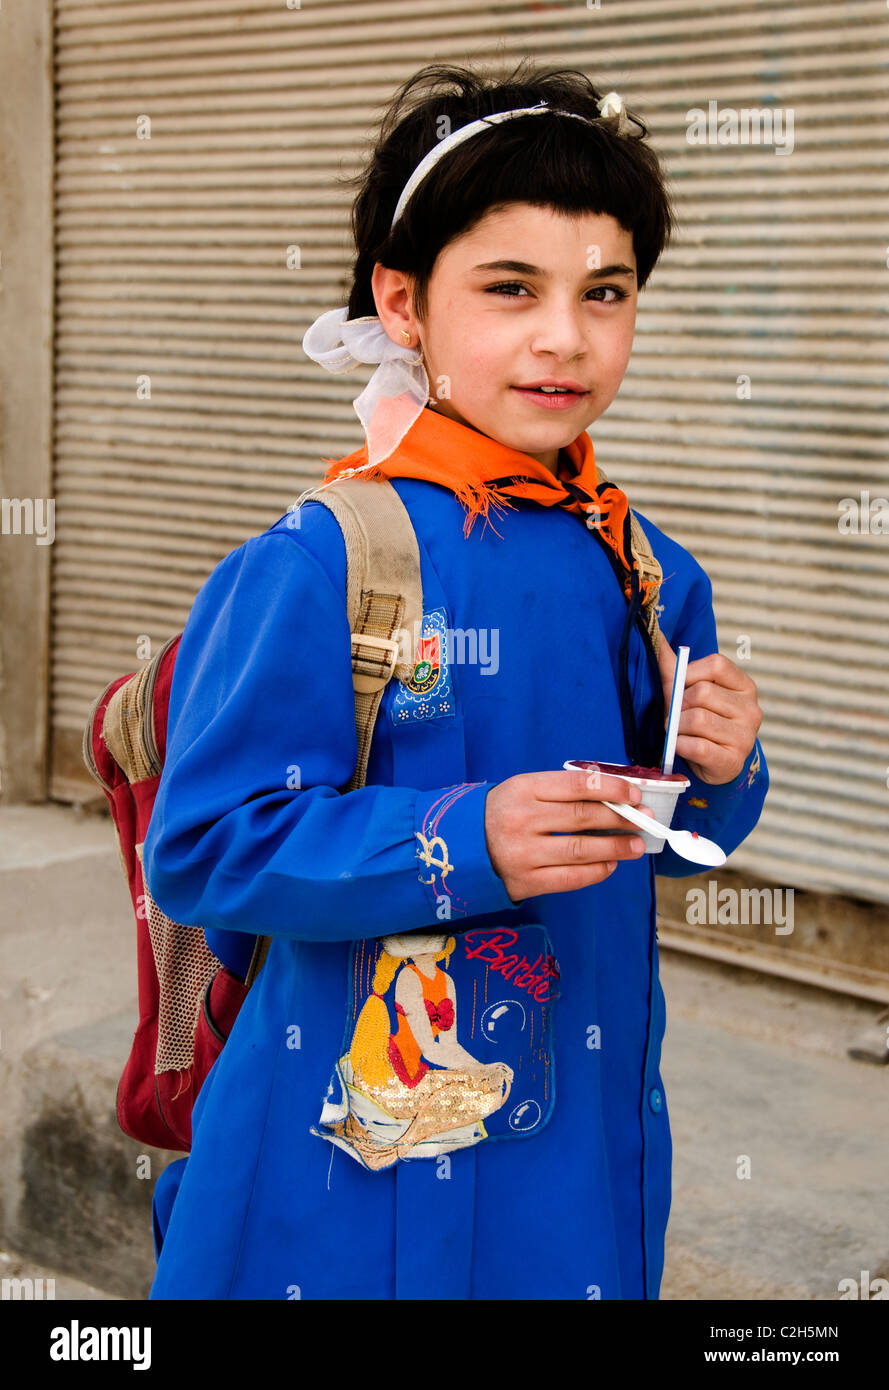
(384, 595)
(384, 602)
(122, 727)
(649, 568)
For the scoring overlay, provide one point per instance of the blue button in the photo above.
(655, 1099)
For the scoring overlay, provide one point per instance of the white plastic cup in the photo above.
(658, 794)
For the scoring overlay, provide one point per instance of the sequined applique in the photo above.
(448, 1042)
(427, 693)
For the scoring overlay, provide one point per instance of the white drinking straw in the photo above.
(675, 708)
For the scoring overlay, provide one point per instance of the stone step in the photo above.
(86, 1186)
(71, 1196)
(24, 1278)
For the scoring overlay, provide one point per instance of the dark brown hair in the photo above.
(548, 161)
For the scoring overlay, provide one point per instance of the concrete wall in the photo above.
(26, 345)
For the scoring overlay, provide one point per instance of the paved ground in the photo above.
(45, 1283)
(756, 1074)
(754, 1067)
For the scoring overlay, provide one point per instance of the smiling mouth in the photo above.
(550, 390)
(555, 400)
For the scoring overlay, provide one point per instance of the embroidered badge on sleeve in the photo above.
(427, 854)
(432, 852)
(755, 765)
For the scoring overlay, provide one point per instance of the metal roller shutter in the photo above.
(171, 263)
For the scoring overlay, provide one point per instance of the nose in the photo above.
(560, 332)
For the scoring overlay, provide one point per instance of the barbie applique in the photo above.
(450, 1045)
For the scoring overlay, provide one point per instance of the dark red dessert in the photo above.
(652, 774)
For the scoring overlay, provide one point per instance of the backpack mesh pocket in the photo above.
(185, 966)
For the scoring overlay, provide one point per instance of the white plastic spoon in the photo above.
(697, 849)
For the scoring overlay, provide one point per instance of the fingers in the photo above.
(712, 762)
(571, 801)
(560, 863)
(706, 724)
(548, 832)
(571, 861)
(730, 704)
(579, 784)
(721, 671)
(583, 817)
(558, 850)
(563, 878)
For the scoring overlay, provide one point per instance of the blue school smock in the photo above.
(249, 835)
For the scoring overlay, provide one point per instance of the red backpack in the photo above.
(188, 1000)
(159, 1084)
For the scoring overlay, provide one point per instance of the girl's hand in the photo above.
(522, 814)
(720, 716)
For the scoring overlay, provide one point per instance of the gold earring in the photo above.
(406, 336)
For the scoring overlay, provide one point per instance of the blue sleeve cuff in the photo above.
(725, 812)
(716, 801)
(453, 861)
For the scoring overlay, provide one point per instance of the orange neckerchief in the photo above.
(480, 472)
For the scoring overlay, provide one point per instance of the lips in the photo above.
(559, 384)
(540, 391)
(551, 400)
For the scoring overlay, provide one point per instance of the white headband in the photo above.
(611, 107)
(399, 388)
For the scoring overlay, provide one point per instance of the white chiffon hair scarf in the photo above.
(395, 394)
(399, 389)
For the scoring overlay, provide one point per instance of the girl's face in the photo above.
(563, 312)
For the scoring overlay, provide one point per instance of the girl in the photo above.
(504, 1135)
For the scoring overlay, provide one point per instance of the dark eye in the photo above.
(597, 290)
(612, 289)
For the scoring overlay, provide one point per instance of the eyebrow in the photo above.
(523, 268)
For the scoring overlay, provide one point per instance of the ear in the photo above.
(393, 299)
